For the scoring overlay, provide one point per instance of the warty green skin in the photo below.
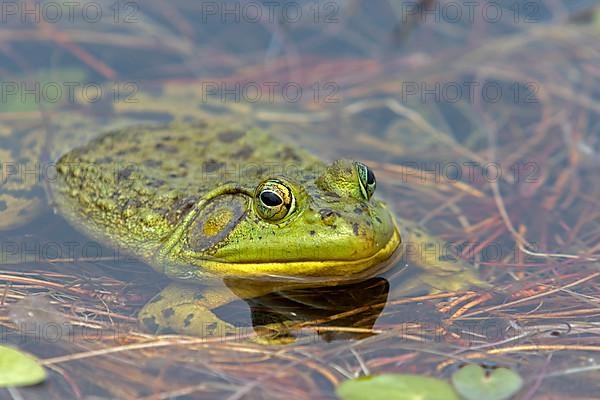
(153, 189)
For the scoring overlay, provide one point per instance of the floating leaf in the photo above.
(474, 382)
(19, 369)
(396, 387)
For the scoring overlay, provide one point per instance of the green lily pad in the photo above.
(396, 387)
(474, 382)
(19, 369)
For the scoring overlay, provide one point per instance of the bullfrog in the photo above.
(226, 209)
(230, 211)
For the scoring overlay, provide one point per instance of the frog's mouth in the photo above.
(320, 270)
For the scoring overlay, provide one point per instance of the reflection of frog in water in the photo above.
(215, 200)
(283, 314)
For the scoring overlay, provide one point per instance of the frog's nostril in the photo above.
(326, 213)
(327, 216)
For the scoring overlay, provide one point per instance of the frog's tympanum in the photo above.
(215, 202)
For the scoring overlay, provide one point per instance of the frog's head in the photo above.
(323, 224)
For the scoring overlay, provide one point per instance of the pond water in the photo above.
(480, 121)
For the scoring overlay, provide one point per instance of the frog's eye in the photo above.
(366, 180)
(274, 200)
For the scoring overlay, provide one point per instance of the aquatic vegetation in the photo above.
(474, 382)
(19, 369)
(396, 387)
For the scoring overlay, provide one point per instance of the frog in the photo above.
(209, 171)
(230, 211)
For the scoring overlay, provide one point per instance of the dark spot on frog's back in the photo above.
(129, 150)
(244, 153)
(129, 204)
(174, 175)
(289, 154)
(163, 147)
(168, 312)
(212, 166)
(124, 174)
(104, 160)
(230, 136)
(152, 163)
(211, 328)
(155, 183)
(355, 228)
(188, 320)
(194, 122)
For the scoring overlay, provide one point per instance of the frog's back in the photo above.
(140, 182)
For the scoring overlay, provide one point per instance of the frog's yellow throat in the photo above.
(308, 269)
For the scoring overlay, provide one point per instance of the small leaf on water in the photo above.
(474, 382)
(396, 387)
(19, 369)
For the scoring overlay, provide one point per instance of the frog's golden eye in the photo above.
(366, 180)
(274, 200)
